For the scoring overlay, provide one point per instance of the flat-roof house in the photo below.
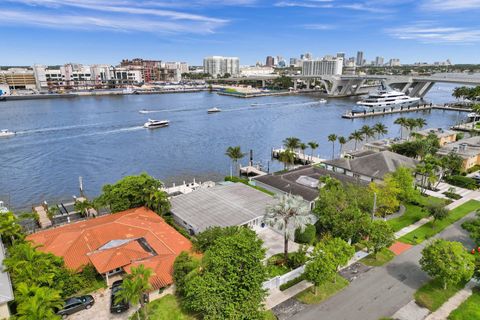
(117, 242)
(6, 292)
(468, 149)
(229, 204)
(371, 166)
(303, 181)
(444, 136)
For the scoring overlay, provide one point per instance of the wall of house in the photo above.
(470, 162)
(4, 311)
(157, 294)
(444, 140)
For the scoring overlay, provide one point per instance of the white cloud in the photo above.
(318, 26)
(428, 32)
(451, 5)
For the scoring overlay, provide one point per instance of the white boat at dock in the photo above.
(152, 124)
(214, 110)
(6, 133)
(386, 99)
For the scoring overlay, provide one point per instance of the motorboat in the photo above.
(152, 124)
(143, 111)
(388, 99)
(6, 133)
(473, 116)
(213, 110)
(322, 101)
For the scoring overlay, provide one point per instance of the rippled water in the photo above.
(102, 138)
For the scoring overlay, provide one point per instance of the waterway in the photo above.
(102, 138)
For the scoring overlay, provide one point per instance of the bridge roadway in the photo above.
(345, 85)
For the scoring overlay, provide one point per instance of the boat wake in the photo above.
(40, 130)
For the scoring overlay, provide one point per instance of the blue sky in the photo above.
(105, 31)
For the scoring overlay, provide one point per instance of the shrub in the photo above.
(474, 168)
(307, 236)
(452, 195)
(292, 282)
(462, 182)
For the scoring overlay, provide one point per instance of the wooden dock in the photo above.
(299, 157)
(252, 171)
(43, 219)
(385, 111)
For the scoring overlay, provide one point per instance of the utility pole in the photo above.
(374, 205)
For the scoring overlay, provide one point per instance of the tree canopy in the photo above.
(380, 235)
(134, 191)
(229, 283)
(447, 261)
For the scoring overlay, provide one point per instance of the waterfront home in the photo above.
(444, 136)
(303, 181)
(371, 167)
(468, 149)
(6, 292)
(115, 243)
(227, 204)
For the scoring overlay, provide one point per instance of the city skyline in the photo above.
(87, 31)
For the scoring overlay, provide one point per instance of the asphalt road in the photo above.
(382, 291)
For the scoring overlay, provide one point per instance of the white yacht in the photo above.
(6, 133)
(151, 124)
(386, 98)
(213, 110)
(322, 101)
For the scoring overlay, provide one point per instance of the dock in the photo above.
(299, 157)
(43, 219)
(466, 127)
(252, 171)
(392, 110)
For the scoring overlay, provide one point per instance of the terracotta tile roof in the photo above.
(81, 243)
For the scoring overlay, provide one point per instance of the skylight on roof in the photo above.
(307, 181)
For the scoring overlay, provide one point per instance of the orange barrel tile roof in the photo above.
(103, 242)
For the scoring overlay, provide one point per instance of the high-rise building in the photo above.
(379, 61)
(342, 56)
(394, 62)
(269, 61)
(360, 58)
(308, 56)
(219, 66)
(325, 66)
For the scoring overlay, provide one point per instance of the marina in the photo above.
(386, 111)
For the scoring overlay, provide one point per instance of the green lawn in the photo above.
(323, 292)
(168, 308)
(469, 309)
(277, 270)
(413, 212)
(428, 230)
(431, 295)
(165, 308)
(382, 257)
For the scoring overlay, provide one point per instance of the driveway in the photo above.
(382, 291)
(273, 241)
(101, 309)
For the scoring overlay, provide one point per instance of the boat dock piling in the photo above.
(391, 110)
(299, 157)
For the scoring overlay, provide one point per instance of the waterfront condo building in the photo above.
(219, 66)
(326, 66)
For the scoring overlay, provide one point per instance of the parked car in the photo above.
(120, 306)
(76, 304)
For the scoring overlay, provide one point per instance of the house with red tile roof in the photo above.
(115, 243)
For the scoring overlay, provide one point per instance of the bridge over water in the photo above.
(348, 85)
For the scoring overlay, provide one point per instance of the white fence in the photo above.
(277, 281)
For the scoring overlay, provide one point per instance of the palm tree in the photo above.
(357, 136)
(341, 141)
(291, 143)
(303, 147)
(332, 138)
(420, 123)
(367, 131)
(83, 207)
(287, 157)
(380, 129)
(135, 286)
(37, 302)
(288, 214)
(235, 154)
(157, 200)
(313, 145)
(10, 229)
(402, 122)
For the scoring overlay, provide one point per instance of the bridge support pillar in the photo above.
(263, 83)
(295, 85)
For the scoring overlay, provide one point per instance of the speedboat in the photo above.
(143, 111)
(472, 116)
(6, 133)
(213, 110)
(152, 124)
(322, 101)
